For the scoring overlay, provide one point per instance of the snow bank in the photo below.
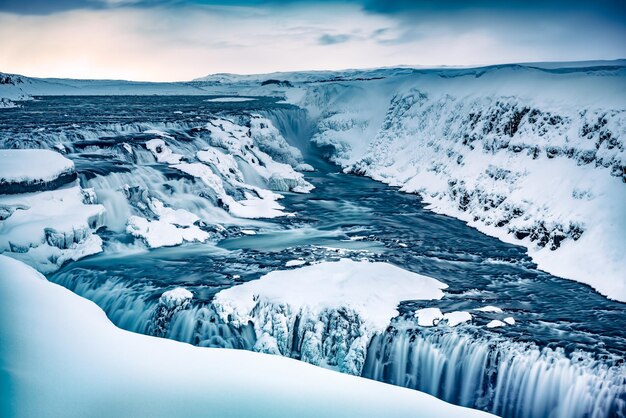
(72, 362)
(46, 229)
(30, 170)
(532, 155)
(327, 312)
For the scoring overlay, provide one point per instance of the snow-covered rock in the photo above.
(428, 317)
(71, 361)
(32, 170)
(324, 313)
(172, 226)
(457, 317)
(489, 308)
(533, 155)
(495, 324)
(46, 229)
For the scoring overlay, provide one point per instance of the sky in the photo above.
(177, 40)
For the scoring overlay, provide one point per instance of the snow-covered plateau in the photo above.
(72, 362)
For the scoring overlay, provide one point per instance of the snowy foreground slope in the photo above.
(71, 361)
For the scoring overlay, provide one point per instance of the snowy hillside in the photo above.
(72, 362)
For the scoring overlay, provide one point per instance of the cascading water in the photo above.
(507, 378)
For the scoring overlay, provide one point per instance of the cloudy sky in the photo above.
(168, 40)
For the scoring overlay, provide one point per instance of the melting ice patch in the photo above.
(326, 312)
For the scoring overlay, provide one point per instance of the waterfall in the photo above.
(294, 124)
(507, 378)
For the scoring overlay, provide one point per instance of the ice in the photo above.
(105, 371)
(458, 317)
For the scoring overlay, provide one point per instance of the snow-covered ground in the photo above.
(60, 356)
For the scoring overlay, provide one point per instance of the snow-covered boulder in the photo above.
(33, 170)
(324, 313)
(63, 357)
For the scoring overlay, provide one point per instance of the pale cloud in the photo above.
(168, 44)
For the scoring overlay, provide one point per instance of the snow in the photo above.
(175, 297)
(295, 263)
(489, 308)
(495, 324)
(162, 152)
(71, 361)
(372, 289)
(355, 299)
(509, 320)
(231, 99)
(248, 232)
(428, 317)
(457, 317)
(161, 233)
(32, 165)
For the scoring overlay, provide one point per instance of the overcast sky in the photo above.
(169, 40)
